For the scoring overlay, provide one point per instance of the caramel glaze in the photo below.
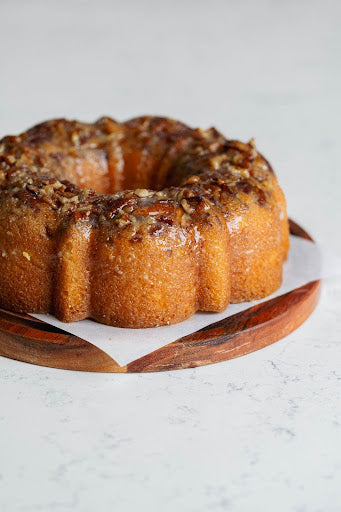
(136, 224)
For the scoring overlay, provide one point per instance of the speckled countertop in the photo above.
(258, 433)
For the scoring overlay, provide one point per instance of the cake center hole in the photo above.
(109, 173)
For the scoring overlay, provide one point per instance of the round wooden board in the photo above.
(25, 338)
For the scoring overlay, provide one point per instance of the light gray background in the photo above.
(258, 433)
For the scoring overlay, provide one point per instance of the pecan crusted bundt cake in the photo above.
(136, 224)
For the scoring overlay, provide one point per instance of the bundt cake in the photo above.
(136, 224)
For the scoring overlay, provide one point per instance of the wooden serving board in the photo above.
(25, 338)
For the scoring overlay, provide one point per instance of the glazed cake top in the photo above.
(190, 171)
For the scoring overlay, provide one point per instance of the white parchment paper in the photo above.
(306, 262)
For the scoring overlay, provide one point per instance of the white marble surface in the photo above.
(258, 433)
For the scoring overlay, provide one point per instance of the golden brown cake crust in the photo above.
(136, 224)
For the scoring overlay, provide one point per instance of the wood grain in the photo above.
(25, 338)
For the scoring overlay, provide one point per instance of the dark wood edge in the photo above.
(53, 347)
